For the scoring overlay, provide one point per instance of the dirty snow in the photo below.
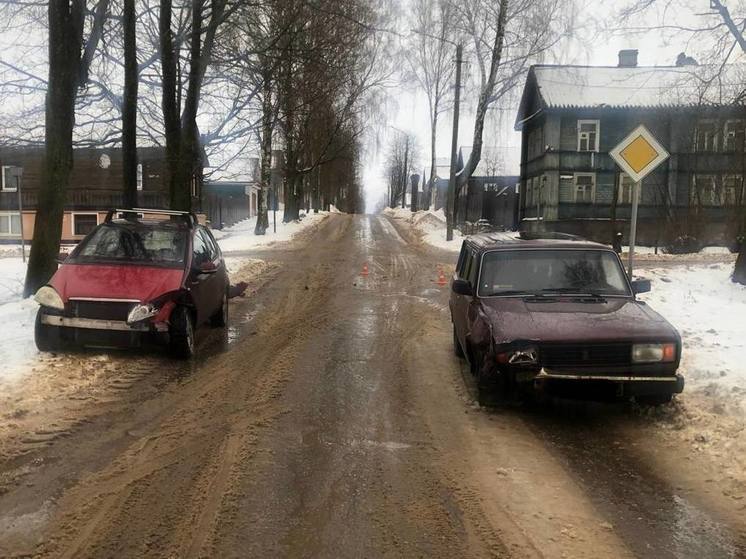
(240, 236)
(710, 313)
(430, 225)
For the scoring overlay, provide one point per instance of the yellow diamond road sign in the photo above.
(639, 153)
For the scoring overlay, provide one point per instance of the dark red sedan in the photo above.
(142, 275)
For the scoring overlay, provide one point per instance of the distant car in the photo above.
(141, 275)
(558, 313)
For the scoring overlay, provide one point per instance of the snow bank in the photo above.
(12, 275)
(709, 311)
(240, 236)
(430, 225)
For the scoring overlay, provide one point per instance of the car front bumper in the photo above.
(631, 384)
(94, 323)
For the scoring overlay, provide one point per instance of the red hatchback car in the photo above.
(142, 275)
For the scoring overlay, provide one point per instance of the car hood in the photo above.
(569, 320)
(115, 281)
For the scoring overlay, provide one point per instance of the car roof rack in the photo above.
(189, 217)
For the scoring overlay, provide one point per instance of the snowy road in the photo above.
(332, 420)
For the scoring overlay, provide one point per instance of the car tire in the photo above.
(220, 318)
(181, 333)
(654, 399)
(457, 349)
(47, 338)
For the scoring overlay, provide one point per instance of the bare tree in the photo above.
(69, 61)
(430, 57)
(129, 104)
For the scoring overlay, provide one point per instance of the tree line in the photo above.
(198, 77)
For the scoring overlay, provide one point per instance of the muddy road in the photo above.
(331, 419)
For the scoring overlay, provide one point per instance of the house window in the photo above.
(706, 136)
(138, 178)
(585, 188)
(626, 188)
(588, 135)
(705, 191)
(10, 224)
(733, 190)
(10, 178)
(84, 223)
(733, 135)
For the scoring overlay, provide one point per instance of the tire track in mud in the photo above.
(181, 451)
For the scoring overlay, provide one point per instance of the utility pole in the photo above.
(450, 213)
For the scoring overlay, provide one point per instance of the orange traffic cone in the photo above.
(442, 278)
(365, 270)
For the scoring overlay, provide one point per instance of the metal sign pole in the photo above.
(633, 226)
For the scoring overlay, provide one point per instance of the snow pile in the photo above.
(240, 236)
(12, 275)
(709, 312)
(430, 225)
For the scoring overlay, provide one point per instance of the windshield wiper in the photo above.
(573, 291)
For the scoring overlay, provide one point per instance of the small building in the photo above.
(95, 187)
(487, 195)
(570, 117)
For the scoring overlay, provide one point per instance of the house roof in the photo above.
(614, 87)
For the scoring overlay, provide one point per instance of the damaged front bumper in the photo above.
(625, 383)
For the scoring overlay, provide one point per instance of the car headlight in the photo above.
(140, 313)
(653, 353)
(47, 296)
(525, 356)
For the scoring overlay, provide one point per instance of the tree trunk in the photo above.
(129, 106)
(262, 218)
(65, 43)
(433, 159)
(170, 104)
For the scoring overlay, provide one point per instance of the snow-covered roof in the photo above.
(566, 87)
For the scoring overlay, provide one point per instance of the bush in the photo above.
(683, 244)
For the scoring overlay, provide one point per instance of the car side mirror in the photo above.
(207, 267)
(61, 257)
(640, 286)
(462, 287)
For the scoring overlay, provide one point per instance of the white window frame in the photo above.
(727, 134)
(715, 140)
(696, 192)
(582, 136)
(9, 233)
(735, 188)
(75, 214)
(575, 177)
(621, 197)
(5, 188)
(139, 177)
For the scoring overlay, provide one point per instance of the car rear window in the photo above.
(517, 272)
(148, 245)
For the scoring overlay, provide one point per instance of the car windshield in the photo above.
(542, 272)
(150, 245)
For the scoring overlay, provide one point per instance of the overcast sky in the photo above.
(587, 48)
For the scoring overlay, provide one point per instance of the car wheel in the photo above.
(457, 350)
(181, 333)
(47, 338)
(654, 399)
(220, 318)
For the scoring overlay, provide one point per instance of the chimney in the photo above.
(628, 58)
